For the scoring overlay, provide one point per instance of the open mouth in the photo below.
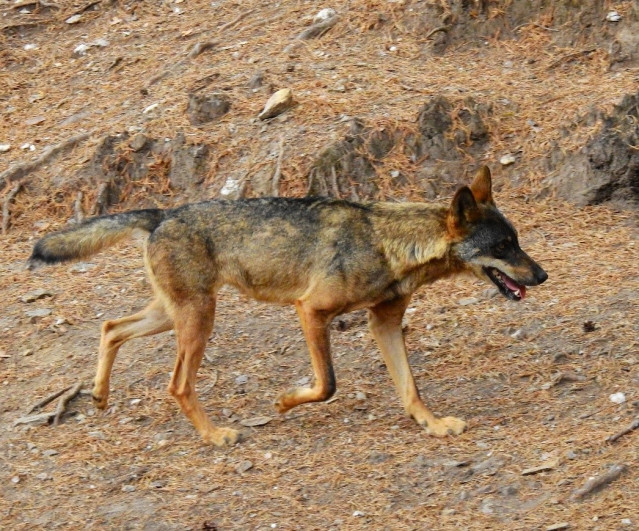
(507, 286)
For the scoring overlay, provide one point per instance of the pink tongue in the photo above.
(513, 286)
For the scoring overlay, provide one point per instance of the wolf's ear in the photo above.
(463, 210)
(482, 186)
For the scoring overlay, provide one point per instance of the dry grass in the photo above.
(494, 363)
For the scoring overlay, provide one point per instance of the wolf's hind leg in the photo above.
(385, 322)
(152, 320)
(193, 325)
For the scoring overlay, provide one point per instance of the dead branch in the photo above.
(445, 29)
(53, 417)
(278, 170)
(77, 207)
(64, 400)
(318, 29)
(236, 20)
(598, 482)
(20, 170)
(200, 47)
(99, 207)
(5, 207)
(47, 399)
(625, 431)
(334, 183)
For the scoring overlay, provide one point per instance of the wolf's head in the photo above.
(486, 242)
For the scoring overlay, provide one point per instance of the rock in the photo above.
(4, 148)
(36, 295)
(507, 159)
(605, 168)
(38, 312)
(613, 16)
(241, 379)
(617, 398)
(189, 162)
(324, 14)
(467, 301)
(35, 120)
(49, 453)
(548, 465)
(557, 527)
(279, 102)
(255, 421)
(138, 142)
(128, 488)
(244, 466)
(205, 108)
(74, 19)
(256, 80)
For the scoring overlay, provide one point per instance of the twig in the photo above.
(237, 19)
(5, 207)
(317, 30)
(598, 482)
(64, 400)
(278, 170)
(101, 199)
(625, 431)
(52, 417)
(570, 57)
(432, 32)
(20, 170)
(47, 399)
(334, 183)
(200, 47)
(77, 207)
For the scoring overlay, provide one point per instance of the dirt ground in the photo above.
(533, 379)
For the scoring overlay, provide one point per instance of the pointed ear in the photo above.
(482, 186)
(463, 210)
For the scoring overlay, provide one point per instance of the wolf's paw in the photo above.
(222, 437)
(284, 402)
(445, 426)
(100, 401)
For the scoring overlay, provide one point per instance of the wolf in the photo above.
(324, 256)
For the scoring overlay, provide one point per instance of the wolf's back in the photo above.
(93, 235)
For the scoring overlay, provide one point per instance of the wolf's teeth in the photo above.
(517, 292)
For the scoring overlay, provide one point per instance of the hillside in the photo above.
(113, 105)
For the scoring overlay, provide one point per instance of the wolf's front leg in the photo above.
(385, 323)
(315, 326)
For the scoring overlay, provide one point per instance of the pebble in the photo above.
(613, 16)
(74, 19)
(244, 466)
(618, 398)
(33, 296)
(231, 187)
(241, 379)
(39, 312)
(358, 513)
(255, 421)
(279, 102)
(507, 159)
(467, 301)
(49, 453)
(128, 488)
(324, 14)
(4, 148)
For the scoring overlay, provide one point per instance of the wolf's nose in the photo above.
(542, 276)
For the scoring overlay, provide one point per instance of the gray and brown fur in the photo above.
(324, 256)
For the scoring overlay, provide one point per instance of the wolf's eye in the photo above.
(500, 249)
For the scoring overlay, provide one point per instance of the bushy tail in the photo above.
(92, 235)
